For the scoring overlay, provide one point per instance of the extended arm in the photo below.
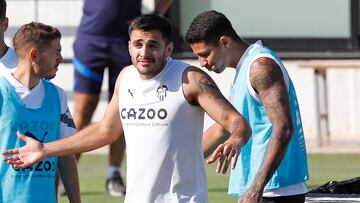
(94, 136)
(268, 81)
(69, 176)
(201, 90)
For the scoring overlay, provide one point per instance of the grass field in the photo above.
(322, 167)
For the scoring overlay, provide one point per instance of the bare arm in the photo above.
(92, 137)
(268, 81)
(212, 137)
(69, 176)
(201, 90)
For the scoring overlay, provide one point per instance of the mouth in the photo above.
(145, 62)
(56, 67)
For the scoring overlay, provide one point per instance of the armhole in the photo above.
(64, 129)
(62, 99)
(251, 90)
(119, 80)
(182, 92)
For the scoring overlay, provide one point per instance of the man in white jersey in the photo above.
(37, 108)
(272, 166)
(159, 105)
(7, 55)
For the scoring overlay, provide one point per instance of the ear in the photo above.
(169, 49)
(4, 24)
(129, 46)
(33, 55)
(225, 41)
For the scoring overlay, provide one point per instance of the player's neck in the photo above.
(26, 76)
(237, 51)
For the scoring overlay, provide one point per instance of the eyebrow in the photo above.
(205, 52)
(150, 41)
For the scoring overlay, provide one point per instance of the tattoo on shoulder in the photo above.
(210, 87)
(265, 73)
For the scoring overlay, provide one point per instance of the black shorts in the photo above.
(285, 199)
(92, 55)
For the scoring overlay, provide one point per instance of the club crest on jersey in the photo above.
(131, 92)
(162, 92)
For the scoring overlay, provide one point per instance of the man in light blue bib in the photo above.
(272, 166)
(36, 108)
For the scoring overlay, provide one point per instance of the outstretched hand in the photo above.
(226, 153)
(29, 154)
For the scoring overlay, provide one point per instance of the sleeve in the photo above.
(67, 125)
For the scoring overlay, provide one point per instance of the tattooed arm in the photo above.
(200, 90)
(268, 81)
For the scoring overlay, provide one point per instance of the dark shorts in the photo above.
(92, 55)
(285, 199)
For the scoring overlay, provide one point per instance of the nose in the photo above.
(144, 51)
(203, 61)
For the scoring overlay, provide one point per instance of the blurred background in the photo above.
(318, 41)
(299, 31)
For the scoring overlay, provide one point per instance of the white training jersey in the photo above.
(163, 132)
(33, 99)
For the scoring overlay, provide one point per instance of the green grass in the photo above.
(322, 168)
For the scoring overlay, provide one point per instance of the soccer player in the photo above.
(272, 166)
(38, 109)
(102, 43)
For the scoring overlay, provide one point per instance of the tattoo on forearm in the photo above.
(234, 125)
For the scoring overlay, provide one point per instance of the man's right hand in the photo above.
(226, 153)
(27, 155)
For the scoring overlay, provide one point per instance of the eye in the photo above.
(154, 46)
(137, 44)
(204, 55)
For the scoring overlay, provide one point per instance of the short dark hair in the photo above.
(2, 9)
(152, 22)
(208, 27)
(34, 34)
